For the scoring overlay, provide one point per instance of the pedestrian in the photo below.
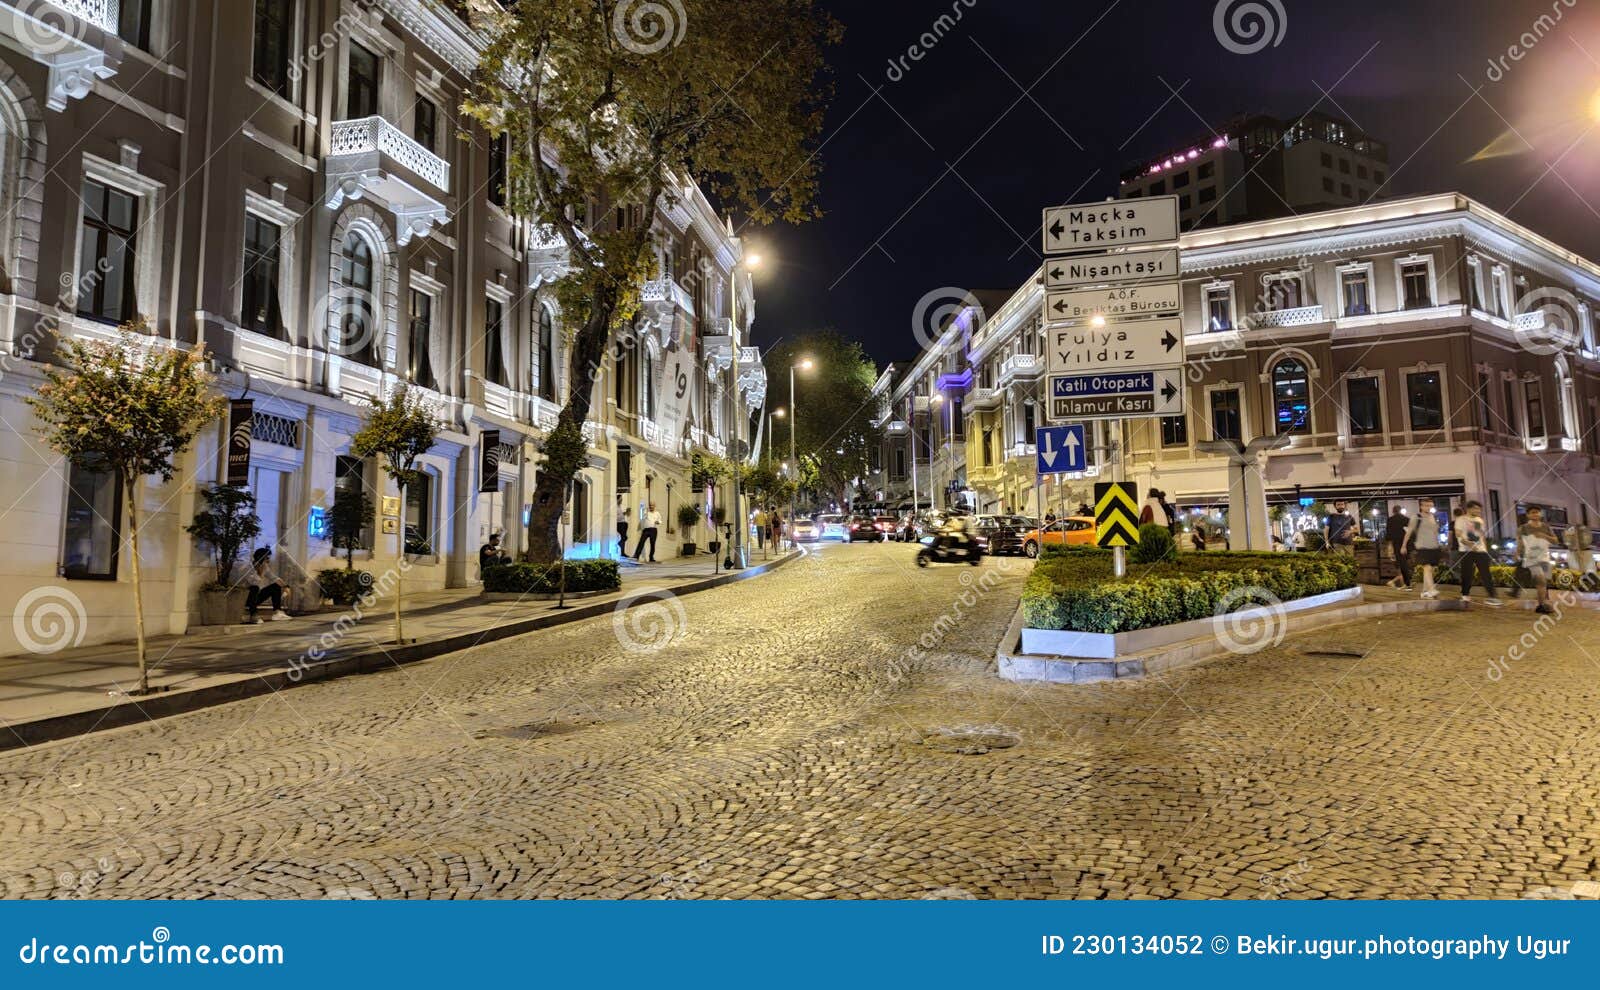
(1049, 518)
(774, 526)
(649, 526)
(1170, 510)
(1472, 538)
(622, 531)
(490, 554)
(264, 585)
(1394, 534)
(1421, 545)
(1198, 535)
(1534, 540)
(761, 528)
(1579, 541)
(1339, 530)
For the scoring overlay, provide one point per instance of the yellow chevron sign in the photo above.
(1116, 514)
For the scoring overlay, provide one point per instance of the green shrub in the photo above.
(1315, 540)
(1076, 590)
(343, 585)
(1505, 576)
(1155, 544)
(545, 579)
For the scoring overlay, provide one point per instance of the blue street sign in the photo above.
(1061, 449)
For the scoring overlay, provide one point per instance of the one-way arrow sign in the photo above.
(1060, 449)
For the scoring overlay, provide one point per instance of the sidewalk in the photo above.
(84, 689)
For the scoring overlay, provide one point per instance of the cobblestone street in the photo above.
(784, 744)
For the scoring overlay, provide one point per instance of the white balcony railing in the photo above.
(374, 134)
(1298, 317)
(664, 290)
(1020, 366)
(103, 14)
(984, 398)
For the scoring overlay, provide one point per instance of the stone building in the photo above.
(290, 184)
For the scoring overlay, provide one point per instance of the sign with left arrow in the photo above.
(1060, 449)
(1118, 344)
(1115, 302)
(1113, 395)
(1113, 224)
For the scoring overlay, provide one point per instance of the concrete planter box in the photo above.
(223, 606)
(1109, 646)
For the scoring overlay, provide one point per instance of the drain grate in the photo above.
(971, 740)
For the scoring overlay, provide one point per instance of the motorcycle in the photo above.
(948, 549)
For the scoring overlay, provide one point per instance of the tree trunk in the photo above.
(129, 486)
(551, 487)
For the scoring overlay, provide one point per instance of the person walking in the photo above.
(649, 526)
(265, 585)
(1395, 530)
(1472, 537)
(1534, 540)
(774, 526)
(1198, 536)
(761, 528)
(1579, 541)
(1340, 531)
(622, 531)
(1421, 545)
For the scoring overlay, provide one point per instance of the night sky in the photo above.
(938, 179)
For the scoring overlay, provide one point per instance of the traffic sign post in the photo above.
(1060, 449)
(1113, 395)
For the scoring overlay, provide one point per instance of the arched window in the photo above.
(1291, 396)
(360, 337)
(546, 351)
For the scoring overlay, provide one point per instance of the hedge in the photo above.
(1075, 590)
(1505, 577)
(343, 586)
(545, 579)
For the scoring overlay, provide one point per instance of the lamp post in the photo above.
(777, 413)
(804, 364)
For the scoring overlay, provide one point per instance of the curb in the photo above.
(147, 709)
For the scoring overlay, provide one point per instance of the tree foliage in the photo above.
(399, 428)
(348, 520)
(834, 438)
(608, 108)
(226, 525)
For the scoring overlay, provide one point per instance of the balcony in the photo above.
(920, 404)
(69, 38)
(371, 157)
(752, 377)
(666, 309)
(718, 348)
(1020, 366)
(1020, 449)
(1298, 317)
(984, 398)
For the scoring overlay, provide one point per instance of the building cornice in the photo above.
(440, 29)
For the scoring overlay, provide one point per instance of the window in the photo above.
(419, 367)
(1366, 406)
(1426, 400)
(1207, 194)
(1291, 397)
(1416, 285)
(419, 515)
(1225, 422)
(1284, 292)
(580, 511)
(273, 39)
(133, 23)
(1377, 176)
(1533, 402)
(106, 254)
(261, 310)
(1174, 431)
(1029, 423)
(1180, 180)
(425, 128)
(1158, 187)
(1355, 291)
(361, 85)
(497, 170)
(1344, 166)
(350, 474)
(899, 462)
(1327, 183)
(1345, 190)
(648, 368)
(1327, 160)
(93, 531)
(494, 359)
(547, 355)
(359, 337)
(1485, 413)
(1207, 170)
(1183, 201)
(1219, 307)
(1361, 171)
(958, 422)
(1508, 392)
(1498, 293)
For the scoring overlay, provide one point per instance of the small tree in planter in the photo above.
(399, 429)
(719, 515)
(227, 525)
(688, 516)
(130, 407)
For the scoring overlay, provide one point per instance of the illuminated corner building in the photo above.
(287, 182)
(1259, 167)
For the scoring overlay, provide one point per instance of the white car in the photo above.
(834, 527)
(805, 531)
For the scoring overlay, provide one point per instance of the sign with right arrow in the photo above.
(1114, 394)
(1116, 345)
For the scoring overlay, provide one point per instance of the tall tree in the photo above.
(832, 410)
(608, 107)
(128, 407)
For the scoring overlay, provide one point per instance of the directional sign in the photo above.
(1115, 346)
(1151, 265)
(1122, 301)
(1113, 395)
(1116, 514)
(1061, 449)
(1118, 223)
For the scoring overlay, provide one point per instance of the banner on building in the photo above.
(489, 461)
(241, 418)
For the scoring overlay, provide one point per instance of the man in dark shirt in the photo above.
(490, 554)
(1340, 530)
(1395, 533)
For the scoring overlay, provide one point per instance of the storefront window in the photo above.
(93, 530)
(419, 515)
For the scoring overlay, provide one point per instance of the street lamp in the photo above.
(804, 364)
(771, 436)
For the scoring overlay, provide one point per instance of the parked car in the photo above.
(865, 528)
(888, 525)
(833, 527)
(1071, 531)
(804, 530)
(1000, 534)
